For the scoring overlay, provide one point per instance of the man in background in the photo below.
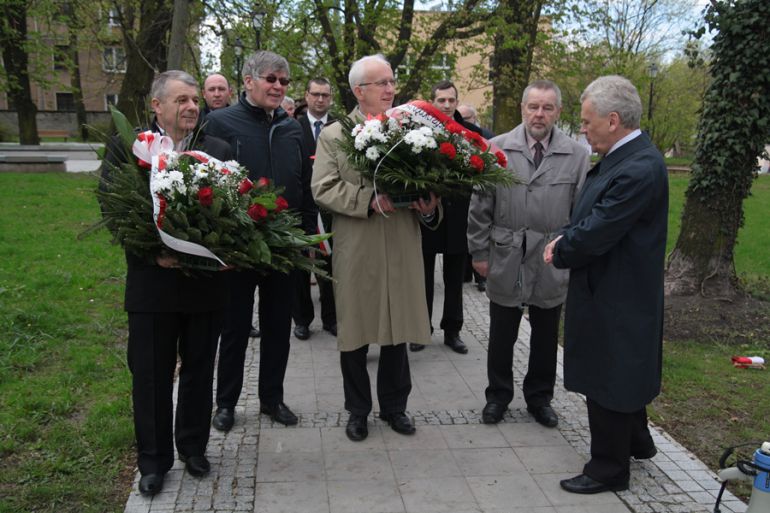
(318, 98)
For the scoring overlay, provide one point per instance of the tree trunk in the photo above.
(702, 261)
(77, 88)
(145, 55)
(511, 62)
(179, 25)
(16, 60)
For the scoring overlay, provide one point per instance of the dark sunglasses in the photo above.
(272, 78)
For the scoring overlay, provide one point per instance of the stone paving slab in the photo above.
(454, 463)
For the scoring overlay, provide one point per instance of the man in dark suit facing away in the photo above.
(615, 248)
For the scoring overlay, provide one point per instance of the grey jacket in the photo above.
(510, 226)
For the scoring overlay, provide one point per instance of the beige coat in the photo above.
(379, 286)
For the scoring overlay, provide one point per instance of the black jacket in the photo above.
(450, 236)
(151, 288)
(272, 149)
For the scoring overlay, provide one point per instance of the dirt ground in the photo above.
(746, 320)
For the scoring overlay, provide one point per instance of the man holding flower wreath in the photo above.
(170, 312)
(377, 263)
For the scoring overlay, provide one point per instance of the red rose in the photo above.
(501, 160)
(246, 186)
(448, 149)
(477, 163)
(281, 204)
(263, 182)
(453, 127)
(225, 171)
(206, 196)
(257, 212)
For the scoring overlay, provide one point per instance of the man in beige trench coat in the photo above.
(377, 264)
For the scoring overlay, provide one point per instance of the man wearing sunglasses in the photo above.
(318, 97)
(267, 141)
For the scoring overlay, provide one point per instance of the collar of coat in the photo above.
(260, 114)
(637, 143)
(516, 140)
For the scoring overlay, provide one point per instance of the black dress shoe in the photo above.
(416, 347)
(586, 485)
(301, 332)
(493, 413)
(399, 422)
(356, 428)
(455, 343)
(331, 328)
(280, 413)
(197, 466)
(223, 419)
(151, 484)
(254, 332)
(482, 285)
(544, 415)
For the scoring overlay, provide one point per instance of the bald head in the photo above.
(216, 91)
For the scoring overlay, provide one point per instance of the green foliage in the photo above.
(735, 124)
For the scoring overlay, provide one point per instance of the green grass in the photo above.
(65, 418)
(66, 432)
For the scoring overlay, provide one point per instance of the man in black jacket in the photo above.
(170, 313)
(318, 96)
(449, 239)
(269, 144)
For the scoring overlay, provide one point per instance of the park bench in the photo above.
(54, 133)
(32, 163)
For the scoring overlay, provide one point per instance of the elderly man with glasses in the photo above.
(267, 141)
(377, 264)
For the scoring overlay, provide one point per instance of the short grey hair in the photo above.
(160, 84)
(263, 62)
(613, 93)
(356, 75)
(287, 101)
(544, 85)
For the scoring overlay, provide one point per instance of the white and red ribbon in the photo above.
(152, 150)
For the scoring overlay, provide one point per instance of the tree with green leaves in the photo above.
(16, 76)
(734, 127)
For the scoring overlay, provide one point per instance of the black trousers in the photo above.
(276, 292)
(303, 313)
(393, 380)
(454, 272)
(154, 340)
(615, 437)
(541, 372)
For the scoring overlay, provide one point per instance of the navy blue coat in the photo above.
(273, 149)
(615, 249)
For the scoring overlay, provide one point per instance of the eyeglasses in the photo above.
(272, 78)
(380, 83)
(320, 95)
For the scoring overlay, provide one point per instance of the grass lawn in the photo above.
(66, 432)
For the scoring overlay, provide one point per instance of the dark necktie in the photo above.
(538, 154)
(318, 125)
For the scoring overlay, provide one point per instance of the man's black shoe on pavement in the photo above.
(544, 415)
(455, 343)
(223, 420)
(280, 413)
(302, 332)
(356, 430)
(197, 466)
(493, 413)
(151, 484)
(399, 422)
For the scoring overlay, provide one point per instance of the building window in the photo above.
(113, 19)
(65, 102)
(110, 99)
(444, 64)
(114, 60)
(60, 57)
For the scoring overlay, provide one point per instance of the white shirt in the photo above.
(630, 137)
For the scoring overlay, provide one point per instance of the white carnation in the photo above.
(372, 153)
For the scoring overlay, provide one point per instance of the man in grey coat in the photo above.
(507, 231)
(615, 247)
